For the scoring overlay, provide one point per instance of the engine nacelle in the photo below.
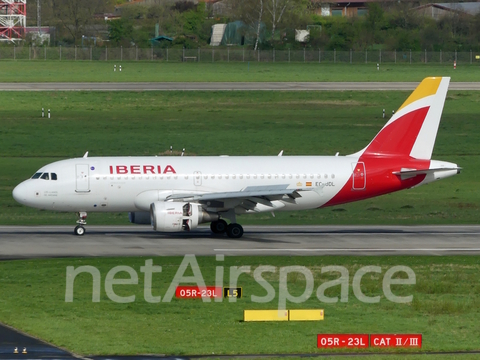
(139, 217)
(178, 216)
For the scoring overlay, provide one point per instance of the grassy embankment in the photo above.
(235, 123)
(445, 306)
(102, 71)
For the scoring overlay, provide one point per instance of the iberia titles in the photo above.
(141, 169)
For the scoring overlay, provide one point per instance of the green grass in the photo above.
(235, 123)
(445, 307)
(390, 357)
(102, 71)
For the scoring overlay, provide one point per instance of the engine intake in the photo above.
(178, 216)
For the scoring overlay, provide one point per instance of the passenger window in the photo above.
(45, 176)
(36, 176)
(54, 176)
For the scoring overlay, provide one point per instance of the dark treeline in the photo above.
(387, 26)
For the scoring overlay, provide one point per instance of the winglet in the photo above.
(86, 155)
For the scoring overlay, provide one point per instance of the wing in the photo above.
(247, 199)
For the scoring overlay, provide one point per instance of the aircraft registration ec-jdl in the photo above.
(179, 193)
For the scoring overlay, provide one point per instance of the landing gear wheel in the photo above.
(235, 231)
(218, 227)
(79, 230)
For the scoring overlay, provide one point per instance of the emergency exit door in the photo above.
(359, 176)
(82, 178)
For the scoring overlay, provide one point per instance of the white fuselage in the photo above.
(109, 184)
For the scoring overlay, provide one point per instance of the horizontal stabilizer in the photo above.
(410, 173)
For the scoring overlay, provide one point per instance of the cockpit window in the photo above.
(45, 176)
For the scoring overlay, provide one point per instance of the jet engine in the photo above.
(139, 217)
(178, 216)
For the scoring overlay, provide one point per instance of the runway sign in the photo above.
(229, 292)
(396, 340)
(265, 315)
(332, 341)
(195, 292)
(306, 315)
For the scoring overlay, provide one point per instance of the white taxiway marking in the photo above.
(347, 250)
(346, 233)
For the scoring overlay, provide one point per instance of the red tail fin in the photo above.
(413, 129)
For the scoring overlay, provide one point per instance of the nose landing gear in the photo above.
(79, 229)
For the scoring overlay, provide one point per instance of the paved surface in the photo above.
(35, 349)
(221, 86)
(59, 241)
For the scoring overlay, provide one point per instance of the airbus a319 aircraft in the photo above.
(179, 193)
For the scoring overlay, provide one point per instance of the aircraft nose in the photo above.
(20, 193)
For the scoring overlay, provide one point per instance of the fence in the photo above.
(233, 55)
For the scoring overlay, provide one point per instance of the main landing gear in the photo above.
(233, 230)
(79, 229)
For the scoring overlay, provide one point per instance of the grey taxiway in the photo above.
(223, 86)
(58, 241)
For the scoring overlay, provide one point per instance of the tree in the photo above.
(119, 30)
(194, 18)
(251, 12)
(374, 21)
(278, 9)
(75, 15)
(169, 20)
